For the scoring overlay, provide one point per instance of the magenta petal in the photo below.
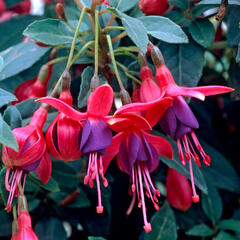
(184, 113)
(96, 136)
(212, 90)
(63, 107)
(168, 122)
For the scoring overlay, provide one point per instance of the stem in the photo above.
(106, 29)
(96, 42)
(56, 60)
(121, 35)
(114, 62)
(54, 91)
(126, 54)
(14, 212)
(74, 40)
(20, 188)
(128, 49)
(219, 45)
(110, 22)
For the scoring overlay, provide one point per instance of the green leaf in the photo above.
(51, 186)
(6, 97)
(87, 3)
(184, 170)
(185, 62)
(199, 9)
(27, 108)
(1, 63)
(13, 117)
(33, 204)
(95, 238)
(11, 3)
(6, 136)
(134, 29)
(225, 236)
(229, 224)
(238, 54)
(3, 191)
(5, 224)
(20, 57)
(81, 201)
(164, 29)
(212, 202)
(182, 4)
(200, 230)
(233, 33)
(11, 30)
(124, 6)
(220, 173)
(163, 225)
(202, 31)
(176, 16)
(230, 2)
(50, 229)
(50, 32)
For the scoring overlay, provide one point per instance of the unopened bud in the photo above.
(157, 56)
(125, 98)
(43, 73)
(95, 82)
(142, 59)
(60, 12)
(66, 81)
(53, 54)
(22, 203)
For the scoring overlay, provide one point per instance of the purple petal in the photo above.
(133, 148)
(168, 122)
(184, 113)
(181, 130)
(96, 136)
(154, 161)
(123, 154)
(31, 166)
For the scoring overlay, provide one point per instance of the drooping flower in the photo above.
(32, 155)
(179, 193)
(62, 136)
(153, 7)
(137, 153)
(35, 87)
(25, 230)
(96, 136)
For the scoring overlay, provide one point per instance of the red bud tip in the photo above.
(195, 198)
(60, 11)
(86, 180)
(157, 56)
(156, 206)
(105, 182)
(148, 228)
(99, 209)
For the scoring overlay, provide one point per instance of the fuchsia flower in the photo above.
(32, 155)
(179, 193)
(95, 136)
(137, 153)
(153, 7)
(62, 136)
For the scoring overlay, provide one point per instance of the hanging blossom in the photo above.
(95, 135)
(137, 153)
(178, 121)
(32, 155)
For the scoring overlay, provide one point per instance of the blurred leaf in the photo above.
(234, 2)
(1, 63)
(81, 201)
(11, 30)
(6, 136)
(50, 229)
(11, 3)
(33, 204)
(220, 172)
(199, 9)
(163, 225)
(225, 236)
(182, 4)
(185, 62)
(200, 230)
(87, 3)
(20, 57)
(134, 29)
(176, 16)
(6, 97)
(233, 33)
(238, 54)
(50, 32)
(164, 29)
(13, 117)
(51, 186)
(184, 170)
(95, 238)
(212, 202)
(5, 224)
(124, 6)
(202, 31)
(27, 108)
(229, 224)
(3, 191)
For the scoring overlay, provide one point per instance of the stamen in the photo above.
(133, 187)
(147, 226)
(130, 208)
(195, 197)
(180, 152)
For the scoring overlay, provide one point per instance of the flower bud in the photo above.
(125, 97)
(61, 12)
(153, 7)
(179, 193)
(95, 82)
(157, 56)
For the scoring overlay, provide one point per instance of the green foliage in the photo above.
(229, 224)
(11, 3)
(163, 225)
(124, 5)
(13, 117)
(201, 230)
(182, 4)
(231, 2)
